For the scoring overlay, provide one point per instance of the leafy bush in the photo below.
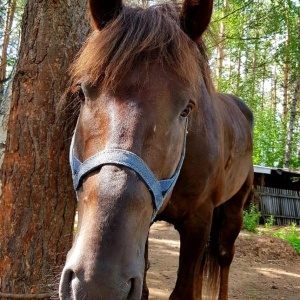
(270, 221)
(291, 235)
(251, 217)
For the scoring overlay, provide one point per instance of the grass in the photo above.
(290, 233)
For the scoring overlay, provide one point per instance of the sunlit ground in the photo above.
(255, 282)
(275, 273)
(164, 253)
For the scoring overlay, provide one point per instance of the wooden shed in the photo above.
(278, 191)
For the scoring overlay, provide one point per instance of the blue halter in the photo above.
(158, 188)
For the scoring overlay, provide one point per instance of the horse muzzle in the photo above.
(74, 287)
(106, 261)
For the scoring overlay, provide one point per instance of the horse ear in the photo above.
(195, 17)
(103, 11)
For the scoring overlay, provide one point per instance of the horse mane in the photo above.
(137, 38)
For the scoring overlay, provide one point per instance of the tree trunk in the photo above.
(238, 79)
(6, 79)
(286, 68)
(274, 91)
(295, 101)
(285, 90)
(4, 114)
(262, 104)
(292, 121)
(254, 69)
(11, 8)
(221, 47)
(38, 203)
(221, 54)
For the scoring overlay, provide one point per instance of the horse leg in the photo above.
(145, 294)
(231, 226)
(194, 232)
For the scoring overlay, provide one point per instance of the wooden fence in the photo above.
(284, 205)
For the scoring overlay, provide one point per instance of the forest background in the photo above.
(254, 49)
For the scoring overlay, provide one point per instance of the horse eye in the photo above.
(79, 93)
(186, 111)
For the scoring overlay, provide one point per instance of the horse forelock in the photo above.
(135, 39)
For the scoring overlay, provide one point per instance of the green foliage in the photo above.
(251, 218)
(269, 139)
(258, 44)
(291, 235)
(270, 221)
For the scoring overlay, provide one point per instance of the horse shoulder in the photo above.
(244, 108)
(237, 120)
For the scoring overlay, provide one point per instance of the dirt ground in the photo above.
(263, 268)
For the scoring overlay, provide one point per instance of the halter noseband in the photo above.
(158, 188)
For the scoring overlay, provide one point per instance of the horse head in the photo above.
(138, 80)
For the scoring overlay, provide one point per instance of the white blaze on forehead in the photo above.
(154, 128)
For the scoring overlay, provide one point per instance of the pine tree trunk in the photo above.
(263, 87)
(238, 79)
(274, 91)
(38, 203)
(5, 93)
(290, 134)
(254, 69)
(285, 90)
(221, 54)
(293, 105)
(4, 114)
(220, 48)
(286, 70)
(8, 26)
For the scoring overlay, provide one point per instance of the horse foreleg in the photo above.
(145, 294)
(232, 224)
(194, 233)
(225, 262)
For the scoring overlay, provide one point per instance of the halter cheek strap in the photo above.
(158, 188)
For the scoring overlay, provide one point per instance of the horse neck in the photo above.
(204, 134)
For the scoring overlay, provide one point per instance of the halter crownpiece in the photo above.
(158, 188)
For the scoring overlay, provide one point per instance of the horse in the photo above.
(153, 141)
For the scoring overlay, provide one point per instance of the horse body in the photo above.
(207, 182)
(140, 100)
(217, 164)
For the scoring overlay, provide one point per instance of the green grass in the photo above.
(290, 233)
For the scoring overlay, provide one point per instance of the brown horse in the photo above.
(143, 82)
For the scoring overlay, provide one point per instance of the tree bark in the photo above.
(238, 79)
(11, 8)
(274, 91)
(4, 115)
(285, 90)
(221, 47)
(291, 127)
(37, 206)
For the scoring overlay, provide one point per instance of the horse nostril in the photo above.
(130, 285)
(70, 286)
(129, 289)
(134, 290)
(65, 289)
